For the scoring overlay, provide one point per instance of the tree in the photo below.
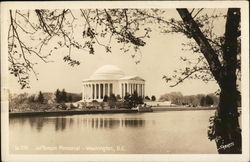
(226, 126)
(127, 97)
(140, 100)
(209, 100)
(118, 97)
(174, 97)
(133, 100)
(153, 98)
(203, 101)
(69, 98)
(112, 101)
(63, 96)
(40, 98)
(31, 98)
(219, 57)
(58, 96)
(147, 98)
(105, 98)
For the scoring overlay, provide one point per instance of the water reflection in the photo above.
(62, 123)
(99, 123)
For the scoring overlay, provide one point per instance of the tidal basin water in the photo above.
(159, 132)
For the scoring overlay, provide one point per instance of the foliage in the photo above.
(94, 101)
(63, 96)
(147, 98)
(31, 102)
(192, 100)
(70, 99)
(58, 96)
(40, 98)
(128, 27)
(31, 98)
(112, 100)
(118, 97)
(105, 98)
(153, 98)
(208, 101)
(98, 27)
(133, 100)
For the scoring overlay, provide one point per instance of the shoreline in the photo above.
(69, 112)
(182, 108)
(105, 111)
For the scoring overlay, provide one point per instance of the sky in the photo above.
(160, 56)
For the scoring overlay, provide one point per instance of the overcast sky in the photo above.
(159, 57)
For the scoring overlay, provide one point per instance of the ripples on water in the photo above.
(149, 133)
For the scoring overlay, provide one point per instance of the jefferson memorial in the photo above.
(110, 79)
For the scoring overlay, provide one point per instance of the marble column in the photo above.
(125, 89)
(93, 91)
(97, 88)
(138, 88)
(122, 91)
(104, 89)
(143, 90)
(87, 91)
(99, 92)
(129, 91)
(83, 92)
(111, 88)
(101, 85)
(108, 91)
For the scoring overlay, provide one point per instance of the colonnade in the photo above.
(130, 88)
(97, 90)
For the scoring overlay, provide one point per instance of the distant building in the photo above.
(158, 103)
(108, 80)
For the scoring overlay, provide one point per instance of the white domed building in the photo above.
(108, 80)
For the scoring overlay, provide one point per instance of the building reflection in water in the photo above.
(97, 123)
(61, 123)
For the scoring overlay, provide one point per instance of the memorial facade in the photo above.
(110, 79)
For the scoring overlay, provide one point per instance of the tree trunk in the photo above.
(228, 132)
(227, 129)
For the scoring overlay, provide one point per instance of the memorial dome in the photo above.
(107, 72)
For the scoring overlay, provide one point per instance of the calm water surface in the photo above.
(164, 132)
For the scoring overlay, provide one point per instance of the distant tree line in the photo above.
(192, 100)
(62, 96)
(26, 98)
(43, 97)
